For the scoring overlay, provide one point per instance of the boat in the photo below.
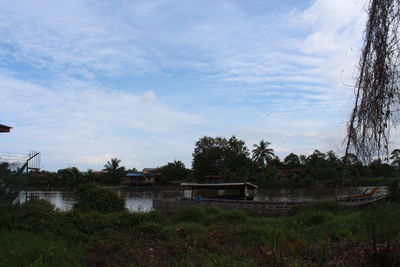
(367, 197)
(237, 196)
(241, 195)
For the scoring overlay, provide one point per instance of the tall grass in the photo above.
(36, 234)
(21, 248)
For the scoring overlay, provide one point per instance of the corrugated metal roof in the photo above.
(219, 185)
(138, 174)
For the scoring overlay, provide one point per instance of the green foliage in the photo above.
(215, 259)
(5, 171)
(21, 248)
(379, 169)
(395, 157)
(39, 206)
(46, 236)
(92, 197)
(262, 155)
(214, 156)
(229, 158)
(193, 214)
(233, 216)
(173, 171)
(383, 221)
(114, 171)
(291, 161)
(70, 176)
(315, 217)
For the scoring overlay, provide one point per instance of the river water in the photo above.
(142, 201)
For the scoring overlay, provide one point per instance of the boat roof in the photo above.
(220, 185)
(138, 174)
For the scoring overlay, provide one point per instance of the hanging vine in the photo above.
(377, 89)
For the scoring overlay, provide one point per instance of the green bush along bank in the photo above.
(37, 235)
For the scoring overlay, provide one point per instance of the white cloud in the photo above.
(280, 78)
(69, 36)
(337, 28)
(79, 123)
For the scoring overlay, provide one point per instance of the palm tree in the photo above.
(395, 157)
(114, 170)
(262, 154)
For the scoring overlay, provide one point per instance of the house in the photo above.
(153, 171)
(5, 128)
(145, 178)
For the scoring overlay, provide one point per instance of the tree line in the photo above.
(231, 160)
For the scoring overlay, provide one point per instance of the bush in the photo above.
(315, 217)
(92, 197)
(191, 214)
(198, 214)
(239, 216)
(28, 249)
(40, 206)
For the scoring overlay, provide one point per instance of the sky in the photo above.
(82, 81)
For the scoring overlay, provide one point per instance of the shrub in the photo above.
(40, 206)
(199, 214)
(191, 214)
(28, 249)
(315, 217)
(92, 197)
(233, 216)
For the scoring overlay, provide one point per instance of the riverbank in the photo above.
(112, 187)
(318, 234)
(360, 181)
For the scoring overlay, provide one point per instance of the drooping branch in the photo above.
(377, 90)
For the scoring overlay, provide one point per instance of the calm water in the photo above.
(142, 201)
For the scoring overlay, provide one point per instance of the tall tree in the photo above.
(317, 158)
(378, 83)
(332, 158)
(350, 159)
(262, 154)
(173, 171)
(216, 156)
(395, 157)
(292, 161)
(70, 176)
(114, 171)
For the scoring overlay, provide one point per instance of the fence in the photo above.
(13, 174)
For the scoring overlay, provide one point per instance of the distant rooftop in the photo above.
(138, 174)
(5, 128)
(220, 185)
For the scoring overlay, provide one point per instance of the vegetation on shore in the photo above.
(231, 160)
(34, 234)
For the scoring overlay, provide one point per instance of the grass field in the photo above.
(317, 235)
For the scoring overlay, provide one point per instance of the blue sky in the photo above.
(83, 81)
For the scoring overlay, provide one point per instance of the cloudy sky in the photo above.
(85, 80)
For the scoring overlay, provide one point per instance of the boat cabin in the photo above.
(235, 191)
